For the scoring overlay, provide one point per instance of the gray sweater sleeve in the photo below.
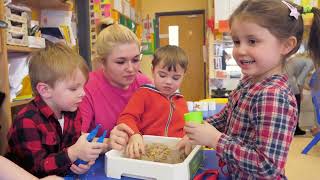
(307, 67)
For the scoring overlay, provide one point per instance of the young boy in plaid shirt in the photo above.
(45, 137)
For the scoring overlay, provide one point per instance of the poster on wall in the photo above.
(148, 42)
(147, 48)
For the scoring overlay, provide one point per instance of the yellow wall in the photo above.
(155, 6)
(152, 6)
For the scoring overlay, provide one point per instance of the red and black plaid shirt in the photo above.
(36, 142)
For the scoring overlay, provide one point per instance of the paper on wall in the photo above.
(55, 18)
(18, 69)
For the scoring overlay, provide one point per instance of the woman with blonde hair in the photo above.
(111, 85)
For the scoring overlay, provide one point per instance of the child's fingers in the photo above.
(91, 154)
(96, 152)
(84, 167)
(206, 123)
(193, 142)
(75, 169)
(95, 145)
(182, 143)
(142, 148)
(191, 125)
(191, 136)
(104, 147)
(136, 150)
(131, 151)
(188, 148)
(127, 151)
(188, 130)
(90, 163)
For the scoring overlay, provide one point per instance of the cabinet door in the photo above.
(5, 110)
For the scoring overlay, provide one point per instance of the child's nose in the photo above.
(241, 49)
(168, 81)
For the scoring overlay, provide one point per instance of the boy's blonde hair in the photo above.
(171, 56)
(55, 62)
(111, 35)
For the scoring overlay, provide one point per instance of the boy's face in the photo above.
(67, 94)
(167, 82)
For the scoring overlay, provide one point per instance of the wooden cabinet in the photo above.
(5, 110)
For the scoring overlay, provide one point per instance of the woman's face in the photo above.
(122, 65)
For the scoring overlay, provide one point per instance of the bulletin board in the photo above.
(121, 11)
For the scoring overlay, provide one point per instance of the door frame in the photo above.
(174, 13)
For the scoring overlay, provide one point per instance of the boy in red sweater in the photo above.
(159, 109)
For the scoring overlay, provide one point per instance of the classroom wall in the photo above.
(152, 6)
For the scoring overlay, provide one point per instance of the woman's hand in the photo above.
(119, 136)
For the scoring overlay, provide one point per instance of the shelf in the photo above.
(20, 102)
(22, 49)
(41, 4)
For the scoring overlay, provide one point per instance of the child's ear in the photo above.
(44, 89)
(288, 45)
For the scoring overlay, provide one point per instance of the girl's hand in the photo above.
(135, 147)
(202, 134)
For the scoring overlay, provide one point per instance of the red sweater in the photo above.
(150, 113)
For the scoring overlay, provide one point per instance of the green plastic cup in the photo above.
(195, 117)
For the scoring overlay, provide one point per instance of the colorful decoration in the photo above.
(210, 24)
(148, 42)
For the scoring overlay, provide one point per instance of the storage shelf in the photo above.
(12, 48)
(20, 102)
(41, 4)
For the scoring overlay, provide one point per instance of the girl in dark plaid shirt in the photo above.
(252, 134)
